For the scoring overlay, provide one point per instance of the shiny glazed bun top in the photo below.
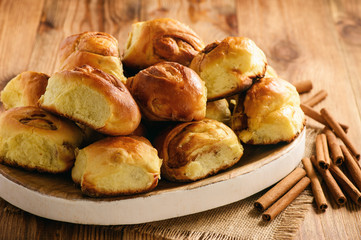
(272, 109)
(229, 66)
(97, 49)
(160, 40)
(169, 91)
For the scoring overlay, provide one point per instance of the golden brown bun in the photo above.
(195, 150)
(24, 90)
(219, 110)
(272, 108)
(94, 98)
(229, 66)
(37, 140)
(159, 40)
(169, 91)
(97, 49)
(117, 166)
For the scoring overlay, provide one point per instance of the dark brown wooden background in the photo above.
(303, 39)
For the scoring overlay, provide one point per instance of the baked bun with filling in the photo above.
(219, 110)
(229, 66)
(117, 166)
(159, 40)
(97, 49)
(272, 111)
(195, 150)
(34, 139)
(24, 90)
(169, 91)
(93, 98)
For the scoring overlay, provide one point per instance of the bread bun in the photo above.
(195, 150)
(94, 98)
(97, 49)
(272, 109)
(24, 90)
(117, 166)
(219, 110)
(37, 140)
(169, 91)
(230, 66)
(159, 40)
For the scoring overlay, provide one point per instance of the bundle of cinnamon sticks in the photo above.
(336, 163)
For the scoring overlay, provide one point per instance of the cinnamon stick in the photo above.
(315, 185)
(352, 166)
(317, 117)
(303, 86)
(331, 183)
(315, 99)
(320, 152)
(335, 126)
(284, 201)
(336, 152)
(279, 189)
(346, 184)
(326, 153)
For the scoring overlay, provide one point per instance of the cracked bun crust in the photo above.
(169, 91)
(195, 150)
(97, 49)
(273, 113)
(24, 90)
(229, 66)
(159, 40)
(37, 140)
(117, 166)
(93, 98)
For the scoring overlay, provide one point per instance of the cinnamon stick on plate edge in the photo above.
(331, 183)
(335, 126)
(279, 189)
(317, 191)
(284, 201)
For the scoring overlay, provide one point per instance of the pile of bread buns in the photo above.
(180, 110)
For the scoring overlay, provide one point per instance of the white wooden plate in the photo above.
(57, 198)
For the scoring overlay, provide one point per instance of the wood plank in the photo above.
(346, 15)
(64, 18)
(19, 21)
(211, 20)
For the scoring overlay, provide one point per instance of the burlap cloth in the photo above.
(238, 220)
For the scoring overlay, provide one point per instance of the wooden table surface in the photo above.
(302, 39)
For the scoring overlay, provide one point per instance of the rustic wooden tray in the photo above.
(56, 197)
